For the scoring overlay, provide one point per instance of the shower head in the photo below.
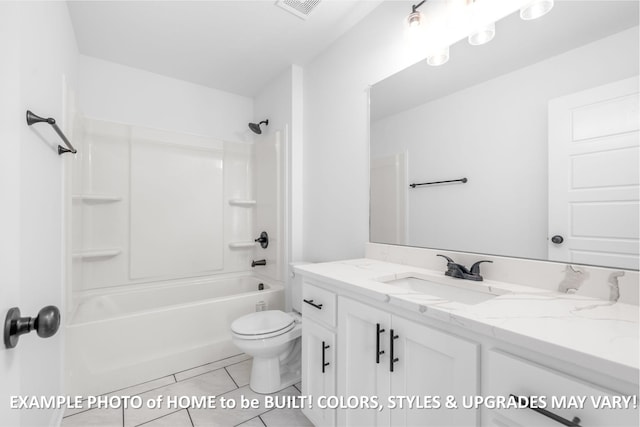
(256, 127)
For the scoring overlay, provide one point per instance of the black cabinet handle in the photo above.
(324, 364)
(557, 239)
(379, 330)
(392, 359)
(575, 422)
(310, 302)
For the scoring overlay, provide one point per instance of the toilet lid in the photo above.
(263, 322)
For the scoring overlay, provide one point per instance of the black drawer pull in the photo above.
(379, 330)
(324, 364)
(392, 359)
(575, 422)
(310, 302)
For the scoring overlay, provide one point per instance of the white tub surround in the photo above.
(592, 342)
(135, 334)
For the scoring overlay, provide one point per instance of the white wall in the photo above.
(39, 55)
(336, 162)
(113, 92)
(494, 133)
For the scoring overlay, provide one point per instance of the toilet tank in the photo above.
(296, 287)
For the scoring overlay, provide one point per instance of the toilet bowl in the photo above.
(273, 339)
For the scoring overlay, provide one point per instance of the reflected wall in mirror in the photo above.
(543, 121)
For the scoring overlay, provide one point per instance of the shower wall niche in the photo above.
(150, 205)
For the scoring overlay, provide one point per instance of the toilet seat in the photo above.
(262, 324)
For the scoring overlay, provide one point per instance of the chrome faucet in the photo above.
(459, 271)
(259, 262)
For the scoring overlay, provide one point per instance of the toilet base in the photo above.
(269, 375)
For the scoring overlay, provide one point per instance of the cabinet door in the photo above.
(318, 371)
(432, 363)
(359, 373)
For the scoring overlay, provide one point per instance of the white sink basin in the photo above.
(468, 292)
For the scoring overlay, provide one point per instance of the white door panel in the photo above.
(594, 175)
(605, 117)
(10, 204)
(36, 46)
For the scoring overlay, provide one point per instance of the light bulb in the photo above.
(414, 27)
(483, 35)
(536, 9)
(414, 19)
(438, 57)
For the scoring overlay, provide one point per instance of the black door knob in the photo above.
(557, 239)
(46, 324)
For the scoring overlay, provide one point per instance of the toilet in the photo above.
(273, 338)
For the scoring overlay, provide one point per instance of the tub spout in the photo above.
(259, 262)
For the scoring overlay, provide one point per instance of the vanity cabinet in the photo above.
(391, 358)
(386, 349)
(318, 352)
(567, 399)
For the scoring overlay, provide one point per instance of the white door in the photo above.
(593, 176)
(318, 371)
(9, 204)
(31, 208)
(360, 373)
(432, 363)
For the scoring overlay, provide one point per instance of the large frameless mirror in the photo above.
(537, 132)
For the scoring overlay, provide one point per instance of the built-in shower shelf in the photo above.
(241, 245)
(242, 202)
(97, 198)
(97, 253)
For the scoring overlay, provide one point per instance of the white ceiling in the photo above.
(236, 46)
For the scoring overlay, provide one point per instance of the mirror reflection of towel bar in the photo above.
(32, 118)
(462, 180)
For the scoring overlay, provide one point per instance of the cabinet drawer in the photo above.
(319, 304)
(508, 375)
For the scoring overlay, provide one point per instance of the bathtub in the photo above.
(115, 339)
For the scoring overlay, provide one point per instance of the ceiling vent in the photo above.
(300, 8)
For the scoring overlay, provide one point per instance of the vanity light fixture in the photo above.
(536, 9)
(483, 35)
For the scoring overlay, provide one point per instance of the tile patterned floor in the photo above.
(228, 378)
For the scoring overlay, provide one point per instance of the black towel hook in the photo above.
(33, 118)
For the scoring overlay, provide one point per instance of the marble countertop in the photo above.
(599, 334)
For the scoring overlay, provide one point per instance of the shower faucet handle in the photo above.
(263, 240)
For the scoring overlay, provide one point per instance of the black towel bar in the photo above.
(32, 118)
(462, 180)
